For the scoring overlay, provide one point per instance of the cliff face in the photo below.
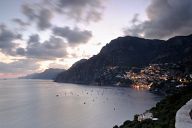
(127, 52)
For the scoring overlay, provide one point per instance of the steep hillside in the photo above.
(128, 52)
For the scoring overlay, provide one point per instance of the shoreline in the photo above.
(165, 111)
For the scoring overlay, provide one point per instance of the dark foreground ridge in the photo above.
(124, 53)
(165, 111)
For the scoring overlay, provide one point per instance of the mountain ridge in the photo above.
(128, 52)
(48, 74)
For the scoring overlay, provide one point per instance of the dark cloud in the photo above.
(135, 19)
(51, 49)
(34, 39)
(20, 51)
(41, 16)
(44, 19)
(20, 22)
(80, 10)
(19, 66)
(3, 26)
(73, 36)
(6, 40)
(29, 12)
(166, 18)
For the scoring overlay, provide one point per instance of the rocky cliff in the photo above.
(127, 52)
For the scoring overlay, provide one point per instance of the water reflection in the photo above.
(45, 104)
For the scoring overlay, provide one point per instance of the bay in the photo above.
(46, 104)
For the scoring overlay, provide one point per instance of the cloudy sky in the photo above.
(40, 34)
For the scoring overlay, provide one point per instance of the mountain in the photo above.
(125, 53)
(48, 74)
(78, 63)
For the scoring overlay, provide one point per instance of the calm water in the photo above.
(34, 104)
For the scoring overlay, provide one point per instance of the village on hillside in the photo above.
(159, 78)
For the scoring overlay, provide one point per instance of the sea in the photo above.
(47, 104)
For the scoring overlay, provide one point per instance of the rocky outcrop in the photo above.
(183, 118)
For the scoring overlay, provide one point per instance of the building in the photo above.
(144, 116)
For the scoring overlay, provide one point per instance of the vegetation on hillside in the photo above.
(165, 111)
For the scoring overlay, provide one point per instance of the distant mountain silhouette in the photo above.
(48, 74)
(127, 52)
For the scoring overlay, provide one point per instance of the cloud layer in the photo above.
(74, 36)
(166, 18)
(7, 39)
(50, 49)
(19, 66)
(20, 22)
(41, 16)
(79, 10)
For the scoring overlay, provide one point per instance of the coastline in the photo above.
(165, 111)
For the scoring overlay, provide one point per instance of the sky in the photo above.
(40, 34)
